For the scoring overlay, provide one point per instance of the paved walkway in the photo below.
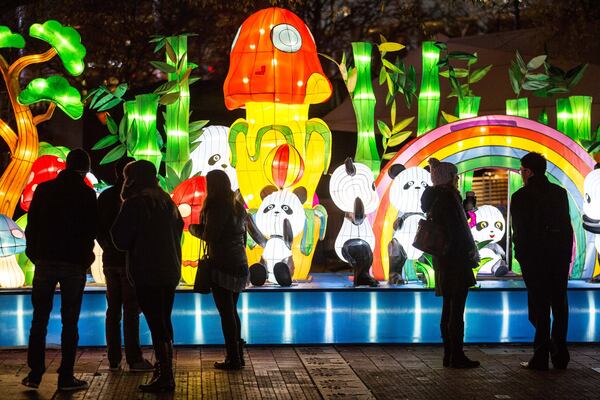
(355, 372)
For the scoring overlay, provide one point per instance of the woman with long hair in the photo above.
(223, 227)
(453, 270)
(149, 229)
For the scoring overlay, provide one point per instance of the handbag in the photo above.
(203, 281)
(431, 238)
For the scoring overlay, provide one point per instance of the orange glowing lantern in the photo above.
(284, 166)
(189, 196)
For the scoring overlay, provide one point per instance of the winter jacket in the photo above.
(453, 271)
(225, 235)
(62, 222)
(109, 204)
(151, 236)
(541, 224)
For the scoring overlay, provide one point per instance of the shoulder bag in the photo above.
(431, 237)
(203, 281)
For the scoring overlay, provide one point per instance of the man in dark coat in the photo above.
(120, 293)
(543, 240)
(62, 225)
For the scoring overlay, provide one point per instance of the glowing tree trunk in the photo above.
(518, 107)
(429, 95)
(363, 101)
(177, 117)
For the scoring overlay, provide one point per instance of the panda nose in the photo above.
(224, 166)
(417, 187)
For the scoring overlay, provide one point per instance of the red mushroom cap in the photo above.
(189, 197)
(274, 59)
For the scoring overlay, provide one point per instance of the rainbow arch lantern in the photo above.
(495, 141)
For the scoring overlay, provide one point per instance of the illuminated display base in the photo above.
(327, 310)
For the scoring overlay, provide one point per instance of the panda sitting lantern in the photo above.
(591, 209)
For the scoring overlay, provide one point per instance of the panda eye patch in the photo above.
(269, 208)
(588, 199)
(287, 210)
(499, 225)
(424, 184)
(408, 185)
(214, 159)
(482, 225)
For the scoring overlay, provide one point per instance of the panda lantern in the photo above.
(408, 185)
(489, 226)
(279, 218)
(591, 209)
(353, 191)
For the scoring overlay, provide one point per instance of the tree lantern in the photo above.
(12, 241)
(284, 166)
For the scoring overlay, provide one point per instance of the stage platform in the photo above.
(326, 310)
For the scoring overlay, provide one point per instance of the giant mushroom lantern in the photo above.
(275, 74)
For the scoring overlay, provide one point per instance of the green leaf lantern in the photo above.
(9, 39)
(55, 89)
(65, 40)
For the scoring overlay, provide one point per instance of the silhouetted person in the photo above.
(223, 227)
(62, 225)
(120, 293)
(454, 270)
(543, 240)
(149, 228)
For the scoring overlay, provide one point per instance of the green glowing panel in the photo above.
(55, 89)
(177, 117)
(581, 116)
(564, 122)
(518, 107)
(429, 95)
(142, 119)
(9, 39)
(514, 183)
(65, 40)
(363, 101)
(468, 106)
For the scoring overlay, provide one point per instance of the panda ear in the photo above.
(301, 193)
(349, 164)
(267, 190)
(597, 166)
(427, 168)
(395, 169)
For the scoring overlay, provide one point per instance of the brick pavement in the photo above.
(329, 372)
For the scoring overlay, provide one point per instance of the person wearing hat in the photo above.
(543, 239)
(453, 270)
(120, 293)
(61, 228)
(149, 228)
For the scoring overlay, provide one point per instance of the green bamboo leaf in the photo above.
(187, 170)
(391, 66)
(120, 90)
(478, 74)
(111, 125)
(458, 72)
(456, 86)
(114, 154)
(398, 138)
(159, 45)
(106, 141)
(390, 85)
(352, 77)
(169, 98)
(197, 125)
(123, 128)
(170, 52)
(441, 45)
(382, 74)
(534, 85)
(402, 124)
(194, 146)
(388, 47)
(115, 101)
(537, 77)
(185, 76)
(393, 113)
(461, 55)
(521, 63)
(333, 60)
(575, 75)
(449, 117)
(155, 38)
(382, 38)
(164, 67)
(384, 129)
(166, 87)
(515, 80)
(536, 62)
(389, 156)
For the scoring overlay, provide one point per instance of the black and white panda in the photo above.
(490, 226)
(352, 189)
(278, 220)
(408, 185)
(591, 207)
(211, 151)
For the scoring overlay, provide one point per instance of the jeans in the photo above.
(547, 293)
(120, 295)
(452, 324)
(226, 302)
(156, 303)
(72, 282)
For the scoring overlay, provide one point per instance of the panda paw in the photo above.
(282, 274)
(258, 274)
(396, 279)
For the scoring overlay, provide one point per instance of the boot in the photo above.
(164, 382)
(241, 345)
(447, 347)
(232, 360)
